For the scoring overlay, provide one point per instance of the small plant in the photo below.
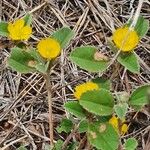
(26, 59)
(103, 112)
(96, 112)
(123, 42)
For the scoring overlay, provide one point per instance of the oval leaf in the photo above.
(75, 109)
(131, 144)
(129, 61)
(28, 19)
(63, 36)
(139, 97)
(141, 27)
(103, 136)
(84, 58)
(121, 110)
(102, 83)
(99, 102)
(19, 59)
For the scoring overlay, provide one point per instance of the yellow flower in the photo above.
(82, 88)
(19, 31)
(114, 121)
(49, 48)
(124, 129)
(126, 40)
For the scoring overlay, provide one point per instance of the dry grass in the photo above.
(23, 104)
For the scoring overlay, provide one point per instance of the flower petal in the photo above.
(125, 39)
(48, 48)
(124, 129)
(18, 24)
(26, 33)
(88, 86)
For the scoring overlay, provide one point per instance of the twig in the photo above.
(0, 10)
(9, 133)
(137, 13)
(13, 142)
(37, 8)
(114, 58)
(109, 11)
(82, 142)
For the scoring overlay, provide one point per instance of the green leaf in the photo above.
(3, 29)
(84, 58)
(122, 97)
(35, 54)
(102, 83)
(58, 145)
(141, 27)
(99, 102)
(131, 144)
(28, 19)
(139, 97)
(102, 119)
(41, 67)
(129, 61)
(103, 136)
(47, 147)
(121, 110)
(75, 109)
(66, 125)
(83, 126)
(72, 146)
(19, 59)
(22, 148)
(63, 36)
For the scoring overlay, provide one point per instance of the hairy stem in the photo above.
(48, 87)
(120, 147)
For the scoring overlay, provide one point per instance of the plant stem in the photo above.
(120, 147)
(48, 87)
